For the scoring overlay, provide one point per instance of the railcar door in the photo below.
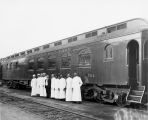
(133, 62)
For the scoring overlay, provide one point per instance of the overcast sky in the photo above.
(26, 24)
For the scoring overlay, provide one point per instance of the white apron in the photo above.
(69, 89)
(42, 87)
(33, 85)
(52, 87)
(62, 85)
(76, 84)
(38, 86)
(56, 92)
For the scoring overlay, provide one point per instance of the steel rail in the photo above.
(53, 107)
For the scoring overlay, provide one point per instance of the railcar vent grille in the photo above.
(94, 33)
(72, 39)
(22, 53)
(88, 35)
(111, 29)
(58, 43)
(45, 46)
(122, 26)
(36, 49)
(16, 55)
(75, 39)
(29, 51)
(69, 40)
(118, 27)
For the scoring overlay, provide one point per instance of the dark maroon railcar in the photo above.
(114, 58)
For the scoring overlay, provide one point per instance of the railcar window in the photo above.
(66, 60)
(108, 52)
(146, 49)
(7, 67)
(51, 63)
(11, 66)
(85, 58)
(31, 64)
(40, 63)
(16, 65)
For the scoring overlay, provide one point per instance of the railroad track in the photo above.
(42, 110)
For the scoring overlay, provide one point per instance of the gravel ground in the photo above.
(8, 112)
(97, 110)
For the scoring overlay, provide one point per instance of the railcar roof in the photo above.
(132, 26)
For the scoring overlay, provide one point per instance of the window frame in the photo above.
(7, 66)
(11, 66)
(85, 51)
(144, 43)
(29, 64)
(39, 63)
(16, 65)
(67, 56)
(107, 49)
(51, 57)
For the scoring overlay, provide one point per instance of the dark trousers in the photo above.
(48, 91)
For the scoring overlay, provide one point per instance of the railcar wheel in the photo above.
(98, 98)
(121, 101)
(14, 85)
(7, 84)
(11, 85)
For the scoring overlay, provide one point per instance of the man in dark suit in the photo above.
(48, 86)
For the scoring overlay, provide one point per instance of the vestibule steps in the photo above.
(136, 93)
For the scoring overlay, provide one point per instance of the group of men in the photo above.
(57, 87)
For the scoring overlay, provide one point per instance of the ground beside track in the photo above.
(100, 111)
(8, 112)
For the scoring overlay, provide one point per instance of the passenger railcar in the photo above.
(115, 59)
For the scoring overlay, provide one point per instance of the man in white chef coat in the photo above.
(68, 88)
(38, 85)
(52, 86)
(33, 86)
(76, 88)
(62, 85)
(56, 87)
(42, 85)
